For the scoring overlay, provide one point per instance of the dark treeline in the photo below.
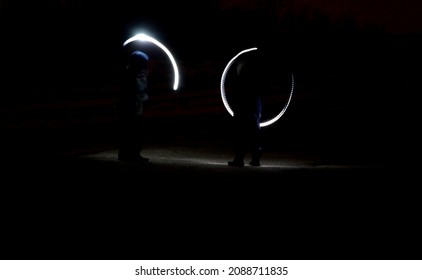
(62, 43)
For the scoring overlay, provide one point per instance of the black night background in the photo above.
(342, 174)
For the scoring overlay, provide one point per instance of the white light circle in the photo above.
(224, 98)
(143, 37)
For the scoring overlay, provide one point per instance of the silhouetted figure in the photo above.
(130, 107)
(246, 106)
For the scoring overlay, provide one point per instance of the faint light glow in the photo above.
(224, 98)
(143, 37)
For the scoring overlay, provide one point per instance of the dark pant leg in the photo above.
(240, 137)
(131, 132)
(256, 148)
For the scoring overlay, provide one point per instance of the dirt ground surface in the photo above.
(65, 195)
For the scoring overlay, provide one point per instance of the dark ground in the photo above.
(343, 189)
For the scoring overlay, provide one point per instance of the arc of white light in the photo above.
(276, 118)
(223, 92)
(143, 37)
(223, 80)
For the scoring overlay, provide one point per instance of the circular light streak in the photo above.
(143, 37)
(223, 92)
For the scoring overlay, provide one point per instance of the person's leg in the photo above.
(239, 137)
(256, 146)
(124, 137)
(131, 139)
(139, 138)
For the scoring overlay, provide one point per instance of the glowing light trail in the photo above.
(143, 37)
(277, 117)
(223, 91)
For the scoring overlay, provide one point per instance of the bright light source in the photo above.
(143, 37)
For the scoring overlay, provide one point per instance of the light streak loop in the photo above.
(224, 98)
(142, 38)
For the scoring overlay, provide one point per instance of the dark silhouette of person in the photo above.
(246, 104)
(130, 108)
